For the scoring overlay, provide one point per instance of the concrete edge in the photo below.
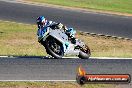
(15, 22)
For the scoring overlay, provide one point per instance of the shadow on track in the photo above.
(40, 57)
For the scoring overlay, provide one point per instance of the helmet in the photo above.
(41, 21)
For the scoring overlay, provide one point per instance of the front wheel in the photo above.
(84, 52)
(54, 47)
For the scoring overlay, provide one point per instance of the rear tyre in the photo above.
(54, 47)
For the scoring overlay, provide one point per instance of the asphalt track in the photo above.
(85, 21)
(39, 68)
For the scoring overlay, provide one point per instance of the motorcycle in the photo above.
(58, 45)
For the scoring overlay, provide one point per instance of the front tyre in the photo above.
(54, 47)
(84, 52)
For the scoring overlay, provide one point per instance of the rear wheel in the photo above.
(54, 47)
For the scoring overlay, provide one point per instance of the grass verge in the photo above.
(51, 85)
(21, 40)
(123, 6)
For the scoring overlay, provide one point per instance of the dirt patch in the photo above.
(16, 42)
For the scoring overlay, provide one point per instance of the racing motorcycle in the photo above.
(58, 45)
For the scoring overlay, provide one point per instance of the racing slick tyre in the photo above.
(84, 52)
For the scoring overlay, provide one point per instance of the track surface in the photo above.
(88, 22)
(38, 68)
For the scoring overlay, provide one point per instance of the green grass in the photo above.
(21, 40)
(124, 6)
(51, 85)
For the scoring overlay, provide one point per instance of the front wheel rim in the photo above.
(55, 47)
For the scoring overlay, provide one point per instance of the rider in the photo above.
(43, 25)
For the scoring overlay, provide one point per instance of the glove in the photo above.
(73, 40)
(60, 26)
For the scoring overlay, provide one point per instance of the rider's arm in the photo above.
(54, 25)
